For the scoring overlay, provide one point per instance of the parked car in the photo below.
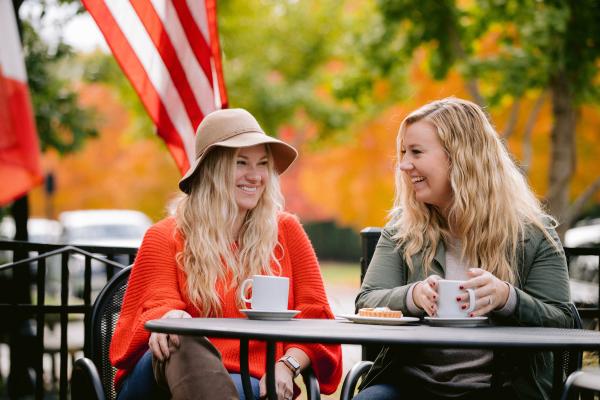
(117, 228)
(111, 228)
(40, 230)
(583, 270)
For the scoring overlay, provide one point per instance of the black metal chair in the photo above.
(582, 382)
(570, 360)
(93, 377)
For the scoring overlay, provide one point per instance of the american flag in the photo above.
(169, 50)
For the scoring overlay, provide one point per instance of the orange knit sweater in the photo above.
(157, 285)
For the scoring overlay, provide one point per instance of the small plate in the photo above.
(459, 322)
(270, 315)
(359, 319)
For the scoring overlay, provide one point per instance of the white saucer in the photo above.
(270, 315)
(457, 321)
(359, 319)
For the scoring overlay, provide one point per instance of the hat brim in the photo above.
(283, 154)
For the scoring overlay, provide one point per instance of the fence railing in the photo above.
(50, 285)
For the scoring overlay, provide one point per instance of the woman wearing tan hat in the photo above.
(228, 226)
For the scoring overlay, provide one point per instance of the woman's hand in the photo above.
(284, 383)
(491, 293)
(159, 342)
(425, 294)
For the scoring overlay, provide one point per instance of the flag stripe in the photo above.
(11, 55)
(156, 71)
(20, 164)
(194, 35)
(154, 27)
(198, 12)
(136, 73)
(166, 48)
(200, 83)
(211, 13)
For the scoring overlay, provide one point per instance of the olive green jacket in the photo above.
(542, 300)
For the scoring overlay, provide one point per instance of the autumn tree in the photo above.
(547, 48)
(277, 59)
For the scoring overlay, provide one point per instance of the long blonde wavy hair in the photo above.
(210, 253)
(492, 204)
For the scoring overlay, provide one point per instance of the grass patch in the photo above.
(341, 273)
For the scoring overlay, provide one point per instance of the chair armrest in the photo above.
(351, 380)
(588, 380)
(85, 381)
(313, 391)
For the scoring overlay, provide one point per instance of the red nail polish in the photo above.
(458, 299)
(461, 287)
(471, 315)
(463, 306)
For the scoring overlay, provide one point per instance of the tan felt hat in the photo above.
(235, 127)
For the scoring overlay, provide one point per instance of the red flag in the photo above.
(19, 147)
(169, 50)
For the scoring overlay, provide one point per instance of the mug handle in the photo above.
(243, 290)
(472, 300)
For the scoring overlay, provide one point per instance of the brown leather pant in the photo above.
(194, 371)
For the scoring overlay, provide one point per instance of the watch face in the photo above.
(294, 362)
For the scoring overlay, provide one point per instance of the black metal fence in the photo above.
(43, 286)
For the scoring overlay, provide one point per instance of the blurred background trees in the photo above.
(336, 78)
(508, 52)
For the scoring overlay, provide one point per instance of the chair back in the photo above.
(572, 360)
(584, 384)
(104, 317)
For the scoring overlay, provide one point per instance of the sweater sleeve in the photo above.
(151, 292)
(543, 292)
(310, 298)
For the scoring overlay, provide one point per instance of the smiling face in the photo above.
(251, 174)
(426, 164)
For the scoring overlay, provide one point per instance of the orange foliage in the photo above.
(111, 171)
(351, 182)
(354, 182)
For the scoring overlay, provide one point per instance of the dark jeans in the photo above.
(388, 391)
(140, 383)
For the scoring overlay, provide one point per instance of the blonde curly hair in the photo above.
(211, 254)
(492, 204)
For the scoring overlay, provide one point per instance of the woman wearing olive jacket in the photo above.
(463, 211)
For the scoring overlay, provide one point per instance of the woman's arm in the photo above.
(543, 290)
(310, 298)
(384, 284)
(152, 291)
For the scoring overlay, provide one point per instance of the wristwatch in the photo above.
(291, 363)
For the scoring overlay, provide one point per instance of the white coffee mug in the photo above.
(269, 293)
(448, 306)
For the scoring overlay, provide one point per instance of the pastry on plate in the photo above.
(381, 312)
